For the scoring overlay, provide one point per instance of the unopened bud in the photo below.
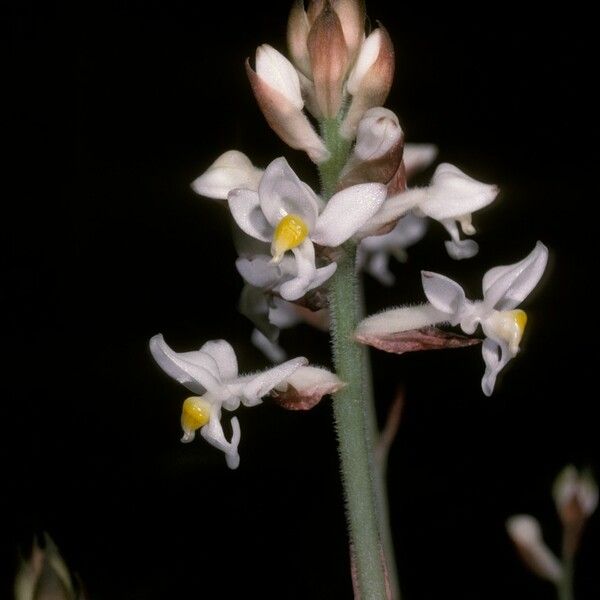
(329, 60)
(276, 86)
(297, 36)
(526, 534)
(371, 78)
(352, 17)
(377, 154)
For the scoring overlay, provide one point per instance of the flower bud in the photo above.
(526, 534)
(371, 78)
(377, 154)
(352, 17)
(231, 170)
(576, 499)
(297, 36)
(276, 86)
(306, 387)
(329, 60)
(44, 575)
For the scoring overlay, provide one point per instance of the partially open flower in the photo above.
(504, 288)
(231, 170)
(212, 374)
(276, 86)
(289, 215)
(526, 534)
(370, 80)
(451, 198)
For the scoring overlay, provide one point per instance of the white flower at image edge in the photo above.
(504, 288)
(212, 374)
(288, 214)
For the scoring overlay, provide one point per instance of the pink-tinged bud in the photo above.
(352, 15)
(371, 78)
(276, 87)
(329, 60)
(576, 498)
(377, 154)
(297, 36)
(306, 387)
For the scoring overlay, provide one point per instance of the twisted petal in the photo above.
(495, 356)
(281, 193)
(504, 288)
(198, 371)
(245, 209)
(306, 272)
(347, 212)
(224, 355)
(213, 434)
(444, 294)
(453, 194)
(231, 170)
(458, 249)
(257, 386)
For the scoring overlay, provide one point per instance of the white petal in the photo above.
(231, 170)
(392, 209)
(322, 275)
(504, 288)
(406, 318)
(195, 370)
(278, 72)
(495, 356)
(262, 383)
(272, 350)
(443, 293)
(281, 192)
(417, 157)
(306, 272)
(347, 211)
(245, 209)
(461, 249)
(378, 131)
(368, 55)
(214, 435)
(453, 194)
(259, 271)
(224, 356)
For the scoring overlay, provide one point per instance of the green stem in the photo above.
(354, 443)
(564, 587)
(353, 407)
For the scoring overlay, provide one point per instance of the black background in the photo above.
(115, 110)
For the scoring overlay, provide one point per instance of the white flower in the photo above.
(374, 252)
(287, 213)
(231, 170)
(378, 132)
(575, 495)
(526, 534)
(504, 288)
(451, 198)
(212, 373)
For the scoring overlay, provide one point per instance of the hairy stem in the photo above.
(564, 587)
(353, 407)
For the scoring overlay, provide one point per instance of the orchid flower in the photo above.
(504, 288)
(212, 373)
(451, 198)
(374, 252)
(233, 169)
(287, 213)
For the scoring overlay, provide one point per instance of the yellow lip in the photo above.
(290, 232)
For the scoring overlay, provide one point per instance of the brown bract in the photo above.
(415, 340)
